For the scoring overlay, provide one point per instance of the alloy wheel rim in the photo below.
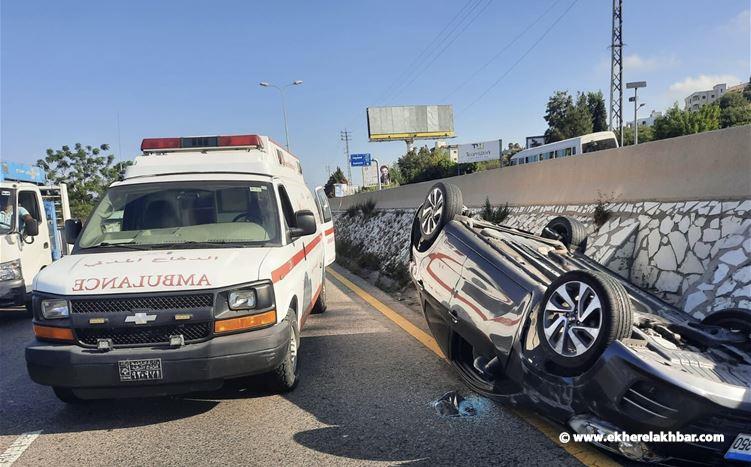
(431, 211)
(572, 319)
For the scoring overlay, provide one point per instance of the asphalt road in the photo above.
(364, 398)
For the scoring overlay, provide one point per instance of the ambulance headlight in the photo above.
(242, 299)
(10, 270)
(55, 308)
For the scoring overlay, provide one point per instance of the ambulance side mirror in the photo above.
(31, 228)
(72, 230)
(306, 224)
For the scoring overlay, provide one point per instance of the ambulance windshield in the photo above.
(204, 214)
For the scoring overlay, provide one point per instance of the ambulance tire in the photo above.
(284, 377)
(320, 305)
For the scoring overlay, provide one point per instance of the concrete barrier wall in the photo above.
(714, 165)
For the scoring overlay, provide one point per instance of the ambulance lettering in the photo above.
(91, 284)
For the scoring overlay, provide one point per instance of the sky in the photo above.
(117, 71)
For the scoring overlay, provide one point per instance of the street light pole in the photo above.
(284, 103)
(635, 85)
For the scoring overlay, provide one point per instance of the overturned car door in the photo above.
(441, 270)
(489, 303)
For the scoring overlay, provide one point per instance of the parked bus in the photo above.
(568, 147)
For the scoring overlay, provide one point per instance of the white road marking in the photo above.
(18, 447)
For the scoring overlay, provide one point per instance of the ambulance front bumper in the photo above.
(92, 374)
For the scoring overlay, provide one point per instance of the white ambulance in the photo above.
(202, 265)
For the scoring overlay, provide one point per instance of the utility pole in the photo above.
(616, 71)
(346, 136)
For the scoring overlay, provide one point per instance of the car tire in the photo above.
(284, 377)
(443, 202)
(576, 324)
(320, 305)
(66, 395)
(732, 319)
(569, 231)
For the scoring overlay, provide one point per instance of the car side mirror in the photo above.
(31, 228)
(72, 230)
(306, 224)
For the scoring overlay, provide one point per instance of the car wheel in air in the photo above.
(581, 313)
(736, 320)
(320, 305)
(444, 201)
(568, 231)
(284, 377)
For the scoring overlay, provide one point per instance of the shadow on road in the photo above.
(376, 396)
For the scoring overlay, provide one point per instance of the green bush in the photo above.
(494, 215)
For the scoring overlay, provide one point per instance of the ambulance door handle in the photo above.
(46, 245)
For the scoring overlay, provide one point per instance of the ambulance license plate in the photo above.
(140, 370)
(740, 450)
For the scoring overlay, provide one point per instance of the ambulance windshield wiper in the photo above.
(215, 243)
(127, 245)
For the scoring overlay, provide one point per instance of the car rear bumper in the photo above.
(200, 366)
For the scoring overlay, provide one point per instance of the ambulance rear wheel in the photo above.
(320, 305)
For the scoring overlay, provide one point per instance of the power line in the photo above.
(415, 63)
(447, 45)
(409, 68)
(505, 48)
(523, 56)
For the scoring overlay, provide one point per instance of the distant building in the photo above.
(649, 121)
(453, 149)
(696, 100)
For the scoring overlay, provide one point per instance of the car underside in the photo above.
(529, 319)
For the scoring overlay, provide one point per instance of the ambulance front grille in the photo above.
(140, 303)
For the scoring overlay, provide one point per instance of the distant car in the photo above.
(527, 318)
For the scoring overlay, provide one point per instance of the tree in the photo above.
(735, 109)
(646, 134)
(86, 170)
(334, 178)
(566, 120)
(677, 122)
(598, 111)
(425, 164)
(558, 108)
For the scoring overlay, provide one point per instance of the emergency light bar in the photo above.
(195, 142)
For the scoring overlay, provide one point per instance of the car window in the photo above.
(323, 203)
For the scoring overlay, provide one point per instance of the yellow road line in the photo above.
(584, 453)
(400, 321)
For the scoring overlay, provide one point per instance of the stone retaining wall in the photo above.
(695, 254)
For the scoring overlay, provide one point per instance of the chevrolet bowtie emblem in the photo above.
(140, 318)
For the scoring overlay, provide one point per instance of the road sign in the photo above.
(359, 160)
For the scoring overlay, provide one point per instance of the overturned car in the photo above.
(529, 319)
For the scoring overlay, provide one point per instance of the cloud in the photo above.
(701, 83)
(738, 23)
(637, 63)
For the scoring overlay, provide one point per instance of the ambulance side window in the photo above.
(287, 210)
(323, 203)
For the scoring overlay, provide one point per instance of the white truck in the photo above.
(32, 215)
(202, 265)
